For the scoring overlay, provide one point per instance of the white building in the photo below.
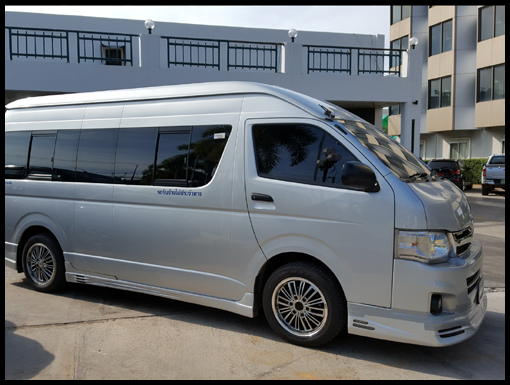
(47, 54)
(462, 102)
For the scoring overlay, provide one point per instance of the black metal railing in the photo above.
(193, 52)
(108, 48)
(322, 58)
(190, 52)
(40, 42)
(117, 49)
(339, 59)
(251, 55)
(105, 47)
(379, 61)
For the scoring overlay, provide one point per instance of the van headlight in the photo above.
(423, 246)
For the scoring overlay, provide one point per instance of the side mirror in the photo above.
(359, 176)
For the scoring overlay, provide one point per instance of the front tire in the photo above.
(43, 263)
(304, 304)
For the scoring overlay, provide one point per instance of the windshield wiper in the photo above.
(413, 177)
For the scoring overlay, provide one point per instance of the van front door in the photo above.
(297, 204)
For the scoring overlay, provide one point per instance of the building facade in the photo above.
(462, 99)
(48, 54)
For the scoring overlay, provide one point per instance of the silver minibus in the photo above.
(244, 197)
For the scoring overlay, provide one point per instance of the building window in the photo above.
(402, 43)
(399, 13)
(440, 92)
(491, 22)
(395, 110)
(441, 38)
(459, 149)
(491, 83)
(114, 56)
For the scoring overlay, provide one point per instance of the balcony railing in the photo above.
(189, 52)
(42, 43)
(117, 49)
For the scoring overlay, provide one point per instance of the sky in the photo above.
(369, 20)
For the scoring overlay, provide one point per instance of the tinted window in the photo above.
(486, 23)
(134, 162)
(446, 91)
(172, 158)
(96, 155)
(299, 153)
(447, 36)
(16, 154)
(500, 20)
(435, 40)
(442, 164)
(434, 93)
(64, 160)
(499, 82)
(41, 156)
(485, 84)
(206, 149)
(500, 159)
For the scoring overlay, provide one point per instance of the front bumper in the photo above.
(458, 281)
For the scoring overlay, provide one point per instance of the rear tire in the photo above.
(485, 189)
(304, 304)
(43, 263)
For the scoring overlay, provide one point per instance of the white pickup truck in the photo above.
(493, 174)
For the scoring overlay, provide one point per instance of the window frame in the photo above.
(407, 9)
(441, 29)
(440, 100)
(458, 141)
(492, 72)
(497, 10)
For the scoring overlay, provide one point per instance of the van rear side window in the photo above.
(182, 156)
(40, 162)
(16, 154)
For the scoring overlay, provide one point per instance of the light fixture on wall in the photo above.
(149, 24)
(292, 34)
(413, 42)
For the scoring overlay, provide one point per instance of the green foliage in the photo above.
(474, 174)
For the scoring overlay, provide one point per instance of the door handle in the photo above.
(261, 197)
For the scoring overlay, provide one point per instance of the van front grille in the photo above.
(462, 240)
(473, 281)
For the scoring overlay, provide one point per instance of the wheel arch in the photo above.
(276, 262)
(25, 236)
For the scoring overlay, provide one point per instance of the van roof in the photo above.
(308, 103)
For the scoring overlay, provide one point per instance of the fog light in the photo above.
(436, 304)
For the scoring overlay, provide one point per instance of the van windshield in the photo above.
(403, 163)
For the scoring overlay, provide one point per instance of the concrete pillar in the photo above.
(410, 110)
(378, 116)
(150, 52)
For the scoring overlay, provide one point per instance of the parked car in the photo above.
(451, 169)
(493, 174)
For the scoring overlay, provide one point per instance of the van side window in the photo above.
(206, 149)
(64, 160)
(134, 161)
(172, 158)
(299, 153)
(40, 161)
(16, 154)
(96, 156)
